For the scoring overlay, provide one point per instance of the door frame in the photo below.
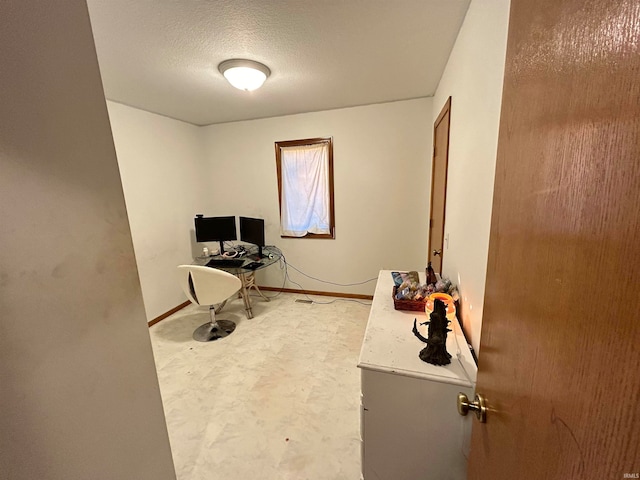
(445, 109)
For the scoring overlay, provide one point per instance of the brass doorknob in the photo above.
(479, 405)
(437, 252)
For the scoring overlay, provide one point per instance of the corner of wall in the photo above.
(473, 78)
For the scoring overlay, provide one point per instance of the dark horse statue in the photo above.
(435, 352)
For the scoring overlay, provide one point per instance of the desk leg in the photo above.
(244, 291)
(251, 283)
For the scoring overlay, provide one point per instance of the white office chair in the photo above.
(209, 286)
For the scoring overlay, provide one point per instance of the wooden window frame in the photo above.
(298, 143)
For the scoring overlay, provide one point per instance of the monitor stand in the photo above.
(221, 248)
(259, 255)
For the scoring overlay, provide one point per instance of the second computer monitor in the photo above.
(252, 231)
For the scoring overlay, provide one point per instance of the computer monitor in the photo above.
(215, 229)
(252, 231)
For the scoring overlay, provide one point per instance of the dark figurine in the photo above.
(431, 275)
(435, 352)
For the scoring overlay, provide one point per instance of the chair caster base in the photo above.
(209, 332)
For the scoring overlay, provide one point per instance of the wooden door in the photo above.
(439, 186)
(560, 347)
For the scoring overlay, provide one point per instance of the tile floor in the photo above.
(278, 399)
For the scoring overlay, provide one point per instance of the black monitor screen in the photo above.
(214, 229)
(252, 230)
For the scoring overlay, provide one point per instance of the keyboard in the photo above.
(223, 263)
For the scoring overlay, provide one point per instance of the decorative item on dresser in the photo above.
(435, 352)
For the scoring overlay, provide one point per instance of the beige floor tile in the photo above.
(278, 399)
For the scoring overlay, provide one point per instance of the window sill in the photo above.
(331, 236)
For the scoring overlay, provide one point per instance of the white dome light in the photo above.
(244, 74)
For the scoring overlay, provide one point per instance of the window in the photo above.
(305, 188)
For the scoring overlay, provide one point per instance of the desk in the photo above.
(247, 276)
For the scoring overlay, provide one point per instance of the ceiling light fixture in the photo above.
(244, 74)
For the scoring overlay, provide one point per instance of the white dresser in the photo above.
(409, 423)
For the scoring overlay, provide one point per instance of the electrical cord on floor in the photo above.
(332, 283)
(354, 300)
(305, 293)
(319, 279)
(285, 265)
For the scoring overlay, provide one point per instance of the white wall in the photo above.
(473, 78)
(381, 175)
(163, 177)
(79, 396)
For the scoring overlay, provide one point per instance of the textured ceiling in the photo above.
(162, 55)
